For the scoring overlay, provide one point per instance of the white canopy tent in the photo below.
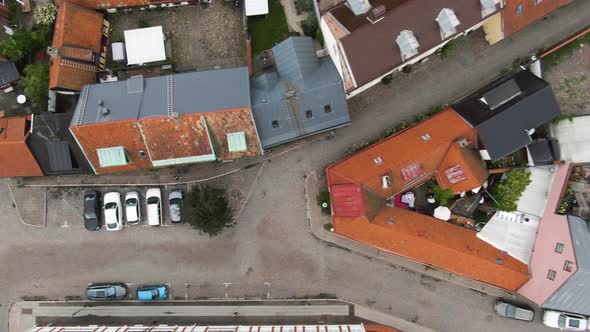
(145, 45)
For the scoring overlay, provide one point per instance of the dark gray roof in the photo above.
(8, 72)
(302, 85)
(186, 93)
(574, 295)
(544, 151)
(503, 111)
(59, 156)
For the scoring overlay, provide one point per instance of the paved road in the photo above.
(270, 252)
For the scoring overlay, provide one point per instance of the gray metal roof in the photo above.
(287, 95)
(59, 156)
(574, 295)
(186, 93)
(503, 110)
(8, 72)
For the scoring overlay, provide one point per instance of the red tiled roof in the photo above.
(16, 159)
(531, 12)
(347, 200)
(224, 122)
(77, 34)
(169, 138)
(371, 49)
(439, 147)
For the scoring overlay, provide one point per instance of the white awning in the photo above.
(448, 22)
(256, 7)
(442, 213)
(408, 44)
(512, 232)
(145, 45)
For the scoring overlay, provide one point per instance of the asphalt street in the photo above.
(270, 253)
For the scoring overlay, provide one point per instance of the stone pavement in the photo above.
(30, 203)
(23, 315)
(316, 220)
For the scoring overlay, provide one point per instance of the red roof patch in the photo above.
(347, 200)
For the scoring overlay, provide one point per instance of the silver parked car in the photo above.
(511, 311)
(175, 200)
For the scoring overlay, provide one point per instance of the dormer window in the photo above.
(448, 22)
(488, 7)
(408, 44)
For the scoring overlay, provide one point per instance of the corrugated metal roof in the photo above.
(574, 294)
(138, 98)
(296, 97)
(59, 156)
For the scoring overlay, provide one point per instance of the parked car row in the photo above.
(559, 320)
(111, 208)
(119, 291)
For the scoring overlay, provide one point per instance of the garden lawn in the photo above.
(266, 31)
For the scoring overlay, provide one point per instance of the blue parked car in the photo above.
(152, 293)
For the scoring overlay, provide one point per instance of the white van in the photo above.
(154, 206)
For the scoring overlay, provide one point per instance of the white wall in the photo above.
(331, 45)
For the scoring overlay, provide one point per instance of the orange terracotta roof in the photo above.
(167, 138)
(16, 158)
(77, 36)
(224, 122)
(67, 76)
(409, 156)
(78, 26)
(441, 148)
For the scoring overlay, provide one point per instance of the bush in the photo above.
(310, 25)
(36, 83)
(407, 69)
(319, 36)
(442, 195)
(45, 14)
(303, 5)
(387, 79)
(444, 51)
(507, 193)
(207, 209)
(323, 198)
(14, 15)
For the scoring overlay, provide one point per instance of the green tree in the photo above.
(442, 195)
(507, 193)
(36, 82)
(23, 44)
(310, 25)
(207, 209)
(304, 5)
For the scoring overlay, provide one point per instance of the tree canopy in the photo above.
(507, 193)
(207, 209)
(36, 82)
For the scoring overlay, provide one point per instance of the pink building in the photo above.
(553, 259)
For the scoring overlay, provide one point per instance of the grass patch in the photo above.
(268, 30)
(564, 52)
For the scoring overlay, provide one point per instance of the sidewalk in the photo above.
(23, 315)
(316, 221)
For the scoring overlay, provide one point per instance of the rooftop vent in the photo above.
(448, 22)
(488, 7)
(378, 160)
(53, 52)
(104, 111)
(462, 142)
(376, 14)
(426, 137)
(385, 181)
(408, 44)
(359, 7)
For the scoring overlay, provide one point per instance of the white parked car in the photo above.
(565, 321)
(154, 206)
(113, 212)
(132, 210)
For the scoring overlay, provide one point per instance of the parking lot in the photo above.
(65, 205)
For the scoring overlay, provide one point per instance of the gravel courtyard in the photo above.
(202, 38)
